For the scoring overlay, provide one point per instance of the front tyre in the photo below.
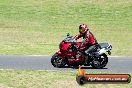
(57, 61)
(100, 62)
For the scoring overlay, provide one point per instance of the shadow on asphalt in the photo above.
(83, 67)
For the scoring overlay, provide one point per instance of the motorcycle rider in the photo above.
(89, 43)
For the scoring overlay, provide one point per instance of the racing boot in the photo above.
(86, 63)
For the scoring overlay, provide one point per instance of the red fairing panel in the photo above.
(65, 47)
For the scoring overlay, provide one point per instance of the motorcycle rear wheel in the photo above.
(100, 62)
(57, 61)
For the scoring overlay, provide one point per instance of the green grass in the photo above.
(46, 79)
(37, 26)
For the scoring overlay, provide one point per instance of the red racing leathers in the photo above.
(88, 40)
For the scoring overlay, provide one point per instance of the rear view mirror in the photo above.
(68, 34)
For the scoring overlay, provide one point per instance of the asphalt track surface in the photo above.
(115, 64)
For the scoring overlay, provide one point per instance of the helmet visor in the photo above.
(81, 30)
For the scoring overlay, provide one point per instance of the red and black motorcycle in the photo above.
(71, 56)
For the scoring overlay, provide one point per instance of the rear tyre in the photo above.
(57, 61)
(100, 62)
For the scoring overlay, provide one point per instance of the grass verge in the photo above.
(35, 27)
(46, 79)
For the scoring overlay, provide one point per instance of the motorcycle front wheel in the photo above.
(57, 61)
(100, 62)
